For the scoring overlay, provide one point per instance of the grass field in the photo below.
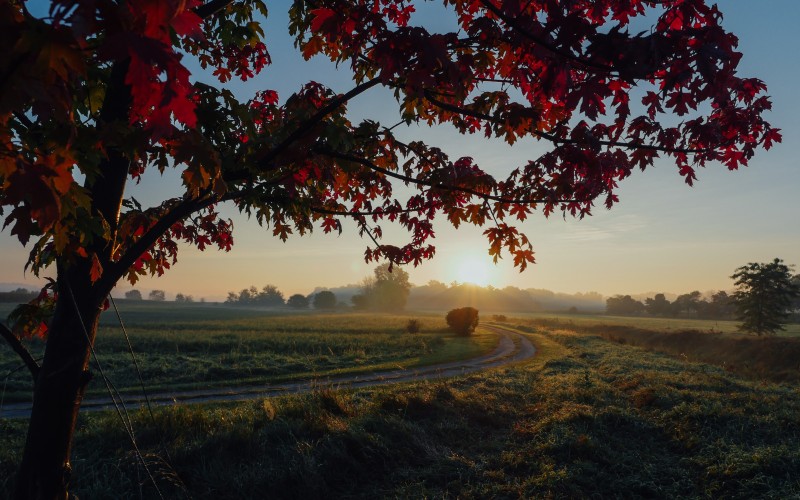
(651, 323)
(190, 347)
(587, 418)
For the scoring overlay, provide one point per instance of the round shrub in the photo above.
(462, 320)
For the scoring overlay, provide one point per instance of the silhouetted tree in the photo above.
(269, 296)
(763, 297)
(658, 305)
(324, 300)
(387, 291)
(686, 305)
(719, 307)
(623, 305)
(184, 298)
(157, 295)
(133, 295)
(796, 301)
(462, 321)
(298, 301)
(413, 326)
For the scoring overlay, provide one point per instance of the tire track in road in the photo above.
(512, 348)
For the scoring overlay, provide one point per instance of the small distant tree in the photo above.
(184, 298)
(658, 305)
(687, 305)
(796, 301)
(719, 307)
(462, 320)
(388, 290)
(133, 295)
(324, 300)
(298, 301)
(157, 295)
(269, 296)
(763, 297)
(624, 305)
(413, 326)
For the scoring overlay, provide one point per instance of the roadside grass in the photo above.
(586, 418)
(204, 347)
(774, 358)
(650, 323)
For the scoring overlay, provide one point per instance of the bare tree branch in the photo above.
(420, 182)
(115, 270)
(307, 125)
(541, 41)
(23, 353)
(211, 8)
(554, 139)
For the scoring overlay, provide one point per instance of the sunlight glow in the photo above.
(475, 270)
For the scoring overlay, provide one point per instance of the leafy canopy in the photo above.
(96, 93)
(764, 296)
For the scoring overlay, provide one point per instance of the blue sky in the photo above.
(662, 236)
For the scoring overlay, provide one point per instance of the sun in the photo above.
(474, 269)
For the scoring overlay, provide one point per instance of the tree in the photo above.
(298, 301)
(463, 320)
(796, 301)
(324, 300)
(133, 295)
(719, 307)
(763, 296)
(95, 95)
(269, 296)
(687, 304)
(387, 291)
(18, 296)
(658, 305)
(413, 326)
(623, 305)
(181, 298)
(157, 295)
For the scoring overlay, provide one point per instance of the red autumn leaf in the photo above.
(96, 269)
(321, 18)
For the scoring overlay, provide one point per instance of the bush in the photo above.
(499, 317)
(298, 301)
(324, 300)
(413, 326)
(463, 320)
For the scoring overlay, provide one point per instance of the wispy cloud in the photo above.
(592, 230)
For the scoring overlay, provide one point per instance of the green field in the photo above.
(202, 346)
(586, 418)
(651, 323)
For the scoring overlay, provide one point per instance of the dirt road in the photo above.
(512, 348)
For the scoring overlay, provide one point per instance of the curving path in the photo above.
(512, 348)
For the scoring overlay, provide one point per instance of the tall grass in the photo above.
(587, 418)
(201, 347)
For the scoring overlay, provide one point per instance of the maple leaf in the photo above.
(96, 269)
(322, 17)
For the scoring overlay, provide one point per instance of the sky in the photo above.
(663, 235)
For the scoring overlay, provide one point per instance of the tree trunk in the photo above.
(45, 468)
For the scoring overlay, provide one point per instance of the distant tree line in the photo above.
(18, 296)
(766, 297)
(268, 296)
(689, 305)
